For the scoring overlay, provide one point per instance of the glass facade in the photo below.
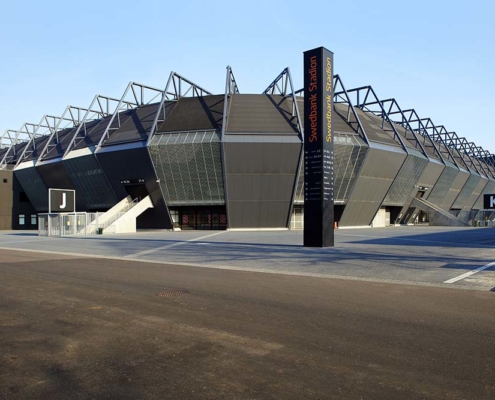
(91, 183)
(189, 167)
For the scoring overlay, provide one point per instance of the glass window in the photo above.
(34, 219)
(22, 219)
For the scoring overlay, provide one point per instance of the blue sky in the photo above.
(434, 56)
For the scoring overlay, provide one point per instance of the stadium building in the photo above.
(235, 161)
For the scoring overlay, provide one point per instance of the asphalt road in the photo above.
(87, 328)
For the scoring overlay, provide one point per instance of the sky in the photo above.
(434, 56)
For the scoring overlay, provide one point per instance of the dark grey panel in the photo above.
(430, 176)
(138, 125)
(428, 146)
(373, 127)
(339, 122)
(466, 191)
(475, 193)
(132, 165)
(406, 180)
(260, 114)
(377, 174)
(260, 180)
(459, 182)
(91, 183)
(189, 166)
(443, 184)
(34, 186)
(349, 154)
(409, 138)
(64, 138)
(195, 113)
(56, 176)
(90, 134)
(489, 189)
(34, 150)
(15, 153)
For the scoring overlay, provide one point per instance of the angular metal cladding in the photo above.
(248, 160)
(261, 161)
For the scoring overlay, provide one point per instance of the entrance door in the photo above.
(137, 191)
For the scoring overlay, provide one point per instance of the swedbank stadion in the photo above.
(235, 160)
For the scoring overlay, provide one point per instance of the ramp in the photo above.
(437, 216)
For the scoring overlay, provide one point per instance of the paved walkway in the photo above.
(457, 257)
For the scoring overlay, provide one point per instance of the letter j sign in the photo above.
(61, 200)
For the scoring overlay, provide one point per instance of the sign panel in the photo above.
(318, 148)
(61, 200)
(489, 201)
(132, 181)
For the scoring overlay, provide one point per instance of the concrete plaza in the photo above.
(413, 255)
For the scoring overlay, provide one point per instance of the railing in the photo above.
(78, 224)
(481, 218)
(119, 214)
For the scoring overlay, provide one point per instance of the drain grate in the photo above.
(173, 293)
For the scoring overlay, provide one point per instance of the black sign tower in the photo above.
(318, 148)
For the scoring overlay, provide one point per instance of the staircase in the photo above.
(103, 220)
(125, 221)
(436, 215)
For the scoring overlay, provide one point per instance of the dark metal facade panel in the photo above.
(350, 152)
(56, 176)
(15, 153)
(488, 189)
(406, 180)
(132, 165)
(428, 146)
(93, 130)
(254, 113)
(138, 125)
(459, 182)
(375, 178)
(91, 183)
(64, 138)
(467, 191)
(408, 138)
(189, 167)
(339, 121)
(194, 114)
(468, 205)
(34, 151)
(259, 196)
(35, 187)
(373, 127)
(443, 184)
(430, 176)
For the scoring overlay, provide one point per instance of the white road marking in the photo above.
(475, 271)
(168, 246)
